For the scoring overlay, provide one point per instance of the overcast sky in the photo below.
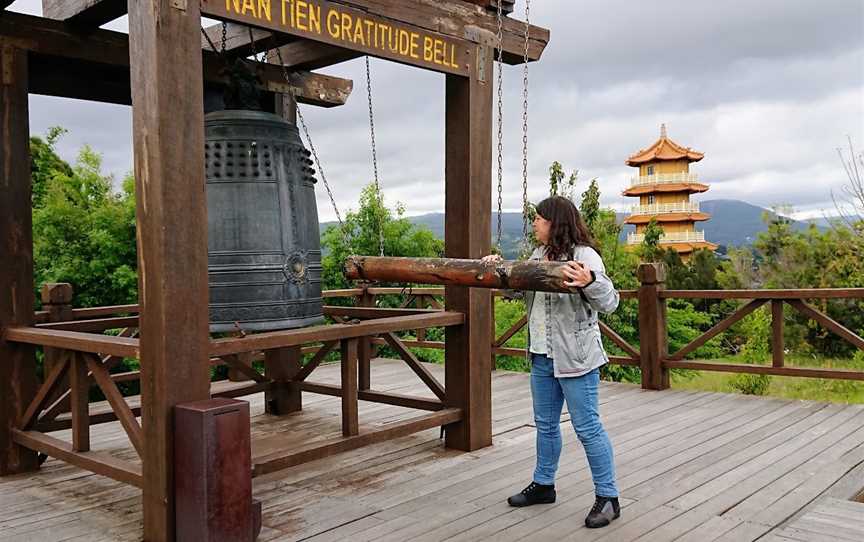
(766, 89)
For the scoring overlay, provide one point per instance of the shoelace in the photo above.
(530, 488)
(598, 506)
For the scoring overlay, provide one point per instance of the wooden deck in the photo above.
(692, 466)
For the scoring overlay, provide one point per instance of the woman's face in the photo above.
(541, 229)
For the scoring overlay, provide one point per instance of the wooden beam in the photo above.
(468, 208)
(313, 55)
(834, 374)
(95, 65)
(117, 402)
(348, 367)
(451, 18)
(365, 30)
(100, 463)
(422, 372)
(79, 385)
(317, 450)
(238, 41)
(18, 380)
(74, 340)
(84, 13)
(168, 136)
(294, 337)
(387, 398)
(281, 366)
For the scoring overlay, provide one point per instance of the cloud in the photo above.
(766, 89)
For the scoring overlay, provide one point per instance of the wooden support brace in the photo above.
(282, 365)
(79, 384)
(350, 422)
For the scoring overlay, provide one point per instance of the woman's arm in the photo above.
(599, 290)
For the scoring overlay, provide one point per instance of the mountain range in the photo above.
(733, 223)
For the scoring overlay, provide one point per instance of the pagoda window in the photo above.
(651, 198)
(649, 171)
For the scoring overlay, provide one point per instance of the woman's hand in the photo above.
(578, 273)
(492, 258)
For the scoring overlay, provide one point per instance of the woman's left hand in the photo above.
(578, 273)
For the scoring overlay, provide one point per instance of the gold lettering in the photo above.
(392, 40)
(250, 5)
(302, 14)
(414, 44)
(293, 13)
(382, 28)
(284, 11)
(345, 31)
(427, 48)
(404, 42)
(453, 63)
(333, 24)
(358, 32)
(315, 18)
(370, 25)
(438, 52)
(264, 9)
(234, 3)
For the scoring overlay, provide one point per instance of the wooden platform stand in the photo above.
(158, 69)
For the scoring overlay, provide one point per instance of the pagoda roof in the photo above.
(664, 149)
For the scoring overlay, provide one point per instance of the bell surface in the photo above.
(263, 245)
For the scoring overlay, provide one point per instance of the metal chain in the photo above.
(375, 158)
(525, 123)
(224, 36)
(500, 118)
(345, 237)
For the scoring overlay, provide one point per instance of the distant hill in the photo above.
(733, 223)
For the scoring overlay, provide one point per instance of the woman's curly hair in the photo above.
(568, 230)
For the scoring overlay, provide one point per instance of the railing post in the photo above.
(652, 326)
(57, 300)
(18, 382)
(281, 365)
(364, 347)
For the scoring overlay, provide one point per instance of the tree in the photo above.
(850, 202)
(84, 232)
(45, 163)
(650, 250)
(557, 185)
(359, 235)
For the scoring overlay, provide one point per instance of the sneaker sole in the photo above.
(550, 501)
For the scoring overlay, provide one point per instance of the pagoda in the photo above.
(663, 186)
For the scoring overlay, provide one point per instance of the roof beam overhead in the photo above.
(84, 13)
(106, 53)
(453, 18)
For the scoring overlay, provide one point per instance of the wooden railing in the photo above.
(651, 356)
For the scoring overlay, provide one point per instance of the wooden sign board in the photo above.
(337, 24)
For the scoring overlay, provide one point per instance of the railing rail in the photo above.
(664, 178)
(669, 237)
(660, 208)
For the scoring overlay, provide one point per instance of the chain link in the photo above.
(375, 159)
(224, 36)
(345, 237)
(525, 209)
(500, 18)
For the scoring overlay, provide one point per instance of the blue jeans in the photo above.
(580, 392)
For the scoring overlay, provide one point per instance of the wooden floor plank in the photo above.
(692, 467)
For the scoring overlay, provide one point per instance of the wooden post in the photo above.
(652, 326)
(364, 348)
(350, 422)
(18, 381)
(467, 234)
(168, 130)
(493, 331)
(57, 300)
(79, 386)
(282, 365)
(777, 345)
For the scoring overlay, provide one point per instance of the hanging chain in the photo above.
(346, 239)
(525, 123)
(500, 118)
(224, 37)
(375, 160)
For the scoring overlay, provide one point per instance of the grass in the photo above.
(788, 387)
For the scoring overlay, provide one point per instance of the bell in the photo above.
(263, 245)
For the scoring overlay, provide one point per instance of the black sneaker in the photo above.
(533, 494)
(605, 510)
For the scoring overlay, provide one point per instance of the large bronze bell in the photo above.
(264, 250)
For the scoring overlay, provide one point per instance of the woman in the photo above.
(566, 353)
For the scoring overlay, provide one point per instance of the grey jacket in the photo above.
(572, 330)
